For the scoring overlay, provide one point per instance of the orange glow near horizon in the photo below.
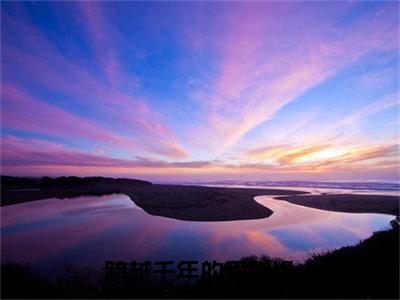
(254, 90)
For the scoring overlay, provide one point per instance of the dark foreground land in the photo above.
(367, 270)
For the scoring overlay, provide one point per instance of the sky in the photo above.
(170, 91)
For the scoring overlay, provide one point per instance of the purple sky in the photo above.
(201, 90)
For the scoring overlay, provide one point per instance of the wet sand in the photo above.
(194, 203)
(351, 203)
(200, 203)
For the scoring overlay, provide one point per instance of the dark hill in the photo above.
(11, 182)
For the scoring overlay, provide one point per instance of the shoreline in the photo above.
(201, 203)
(190, 203)
(348, 203)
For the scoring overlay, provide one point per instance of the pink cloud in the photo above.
(126, 112)
(266, 65)
(21, 152)
(37, 157)
(102, 44)
(22, 112)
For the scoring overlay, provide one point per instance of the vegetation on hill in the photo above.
(367, 270)
(11, 182)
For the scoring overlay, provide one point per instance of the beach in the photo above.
(201, 203)
(351, 203)
(307, 232)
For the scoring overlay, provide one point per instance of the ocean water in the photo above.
(314, 187)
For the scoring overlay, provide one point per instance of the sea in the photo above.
(314, 187)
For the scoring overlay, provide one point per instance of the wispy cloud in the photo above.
(371, 109)
(22, 112)
(322, 158)
(256, 80)
(293, 156)
(126, 113)
(42, 156)
(102, 40)
(34, 152)
(220, 88)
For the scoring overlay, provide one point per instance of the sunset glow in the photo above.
(201, 90)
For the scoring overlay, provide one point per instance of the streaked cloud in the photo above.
(108, 103)
(255, 81)
(39, 155)
(228, 89)
(371, 109)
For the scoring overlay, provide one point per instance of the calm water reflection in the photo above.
(90, 230)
